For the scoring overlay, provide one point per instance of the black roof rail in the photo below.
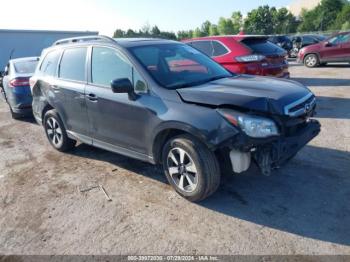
(84, 39)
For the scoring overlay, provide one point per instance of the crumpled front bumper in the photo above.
(268, 153)
(277, 153)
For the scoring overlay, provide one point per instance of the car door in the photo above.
(117, 122)
(70, 86)
(345, 46)
(331, 50)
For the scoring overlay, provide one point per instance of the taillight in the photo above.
(32, 82)
(19, 82)
(250, 58)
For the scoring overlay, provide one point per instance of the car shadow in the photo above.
(294, 63)
(333, 107)
(135, 166)
(314, 82)
(28, 119)
(302, 198)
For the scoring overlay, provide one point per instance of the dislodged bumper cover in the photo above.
(273, 155)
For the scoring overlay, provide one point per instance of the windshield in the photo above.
(178, 65)
(25, 67)
(320, 37)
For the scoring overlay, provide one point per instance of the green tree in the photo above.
(130, 33)
(237, 21)
(213, 30)
(184, 34)
(260, 20)
(309, 20)
(284, 22)
(205, 28)
(145, 30)
(322, 16)
(155, 31)
(119, 33)
(343, 18)
(225, 26)
(198, 32)
(346, 26)
(329, 9)
(168, 35)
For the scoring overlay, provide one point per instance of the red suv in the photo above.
(334, 49)
(243, 54)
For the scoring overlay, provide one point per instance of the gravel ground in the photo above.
(303, 208)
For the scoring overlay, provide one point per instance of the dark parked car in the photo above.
(283, 41)
(244, 54)
(15, 85)
(300, 41)
(333, 49)
(166, 103)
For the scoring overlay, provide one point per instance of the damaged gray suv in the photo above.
(166, 103)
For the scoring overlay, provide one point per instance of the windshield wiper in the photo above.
(197, 83)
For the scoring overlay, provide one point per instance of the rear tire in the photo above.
(56, 132)
(311, 61)
(191, 168)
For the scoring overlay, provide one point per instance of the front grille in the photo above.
(301, 107)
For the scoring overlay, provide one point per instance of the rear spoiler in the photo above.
(253, 37)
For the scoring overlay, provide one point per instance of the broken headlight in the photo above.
(253, 126)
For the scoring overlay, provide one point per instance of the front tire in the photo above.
(311, 61)
(56, 132)
(191, 168)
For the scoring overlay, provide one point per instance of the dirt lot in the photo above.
(303, 208)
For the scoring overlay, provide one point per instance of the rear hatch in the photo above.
(274, 54)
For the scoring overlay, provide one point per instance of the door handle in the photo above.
(92, 97)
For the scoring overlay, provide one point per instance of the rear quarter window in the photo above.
(204, 46)
(50, 62)
(219, 49)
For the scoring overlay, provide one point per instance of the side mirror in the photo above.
(327, 44)
(122, 85)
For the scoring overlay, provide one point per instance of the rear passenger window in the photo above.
(72, 65)
(204, 46)
(49, 65)
(219, 49)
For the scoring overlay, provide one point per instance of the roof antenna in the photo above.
(11, 54)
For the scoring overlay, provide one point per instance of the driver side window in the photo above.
(109, 64)
(340, 39)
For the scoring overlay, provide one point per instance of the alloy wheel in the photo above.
(182, 170)
(54, 132)
(311, 61)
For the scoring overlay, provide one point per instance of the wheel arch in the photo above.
(170, 130)
(312, 53)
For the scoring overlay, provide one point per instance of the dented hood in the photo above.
(262, 94)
